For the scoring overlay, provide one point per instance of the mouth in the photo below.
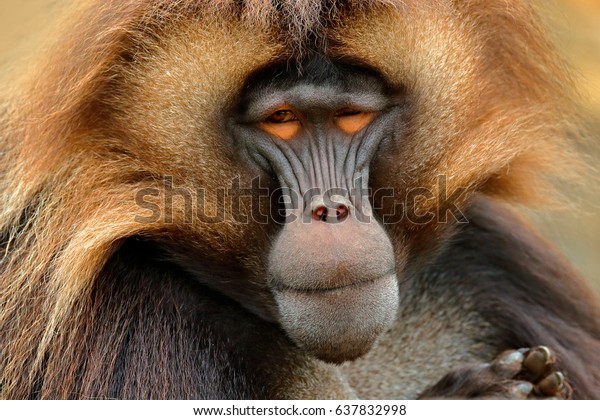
(283, 288)
(339, 323)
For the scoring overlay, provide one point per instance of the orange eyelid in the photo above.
(284, 130)
(352, 123)
(282, 123)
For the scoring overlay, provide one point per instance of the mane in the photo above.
(66, 181)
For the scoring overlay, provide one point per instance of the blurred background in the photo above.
(576, 25)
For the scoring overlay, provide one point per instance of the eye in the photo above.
(283, 123)
(347, 112)
(282, 116)
(351, 120)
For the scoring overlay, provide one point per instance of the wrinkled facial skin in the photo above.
(332, 266)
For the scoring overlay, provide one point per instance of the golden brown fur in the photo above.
(135, 90)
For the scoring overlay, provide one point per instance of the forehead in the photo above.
(426, 46)
(434, 50)
(377, 34)
(315, 71)
(317, 82)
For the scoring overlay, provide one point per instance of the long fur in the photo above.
(73, 153)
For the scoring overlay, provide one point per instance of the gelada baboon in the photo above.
(290, 199)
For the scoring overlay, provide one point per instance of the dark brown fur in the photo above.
(91, 308)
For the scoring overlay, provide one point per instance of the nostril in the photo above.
(330, 209)
(320, 213)
(342, 212)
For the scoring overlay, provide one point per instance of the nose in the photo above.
(337, 211)
(322, 213)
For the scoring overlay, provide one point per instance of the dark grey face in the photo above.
(332, 267)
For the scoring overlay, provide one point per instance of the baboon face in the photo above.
(286, 155)
(331, 268)
(299, 139)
